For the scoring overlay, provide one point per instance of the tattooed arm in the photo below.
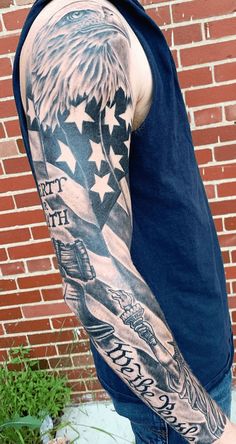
(80, 107)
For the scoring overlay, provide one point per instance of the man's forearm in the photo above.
(139, 346)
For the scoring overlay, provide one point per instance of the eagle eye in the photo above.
(71, 17)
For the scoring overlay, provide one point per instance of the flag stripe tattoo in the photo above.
(79, 110)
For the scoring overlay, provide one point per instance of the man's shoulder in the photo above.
(94, 23)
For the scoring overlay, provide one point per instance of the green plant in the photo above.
(28, 391)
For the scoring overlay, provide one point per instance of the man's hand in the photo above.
(229, 435)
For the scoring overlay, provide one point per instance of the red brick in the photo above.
(12, 268)
(8, 44)
(74, 347)
(215, 94)
(8, 314)
(6, 203)
(225, 256)
(93, 384)
(226, 71)
(55, 263)
(78, 373)
(23, 297)
(195, 77)
(230, 223)
(228, 287)
(219, 172)
(2, 333)
(7, 284)
(51, 337)
(6, 88)
(17, 183)
(60, 362)
(22, 218)
(227, 240)
(5, 67)
(16, 165)
(174, 53)
(41, 310)
(41, 352)
(187, 34)
(8, 148)
(203, 156)
(211, 52)
(205, 136)
(41, 232)
(168, 35)
(227, 152)
(6, 3)
(234, 316)
(208, 116)
(31, 250)
(15, 19)
(52, 294)
(12, 127)
(28, 326)
(223, 207)
(27, 199)
(210, 191)
(234, 287)
(226, 189)
(218, 224)
(3, 254)
(67, 322)
(197, 9)
(39, 265)
(233, 254)
(15, 341)
(39, 280)
(21, 146)
(83, 360)
(7, 108)
(78, 386)
(14, 236)
(230, 112)
(220, 28)
(2, 131)
(232, 302)
(3, 355)
(230, 272)
(160, 15)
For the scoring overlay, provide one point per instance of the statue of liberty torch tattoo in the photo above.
(80, 105)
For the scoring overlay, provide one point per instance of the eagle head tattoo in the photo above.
(79, 55)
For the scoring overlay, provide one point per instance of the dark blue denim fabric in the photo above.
(149, 428)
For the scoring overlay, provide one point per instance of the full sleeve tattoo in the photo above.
(79, 113)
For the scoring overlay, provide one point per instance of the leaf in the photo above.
(26, 421)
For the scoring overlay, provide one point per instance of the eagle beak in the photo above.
(117, 29)
(113, 21)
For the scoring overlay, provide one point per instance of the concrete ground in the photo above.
(99, 423)
(96, 423)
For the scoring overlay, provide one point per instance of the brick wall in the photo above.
(200, 34)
